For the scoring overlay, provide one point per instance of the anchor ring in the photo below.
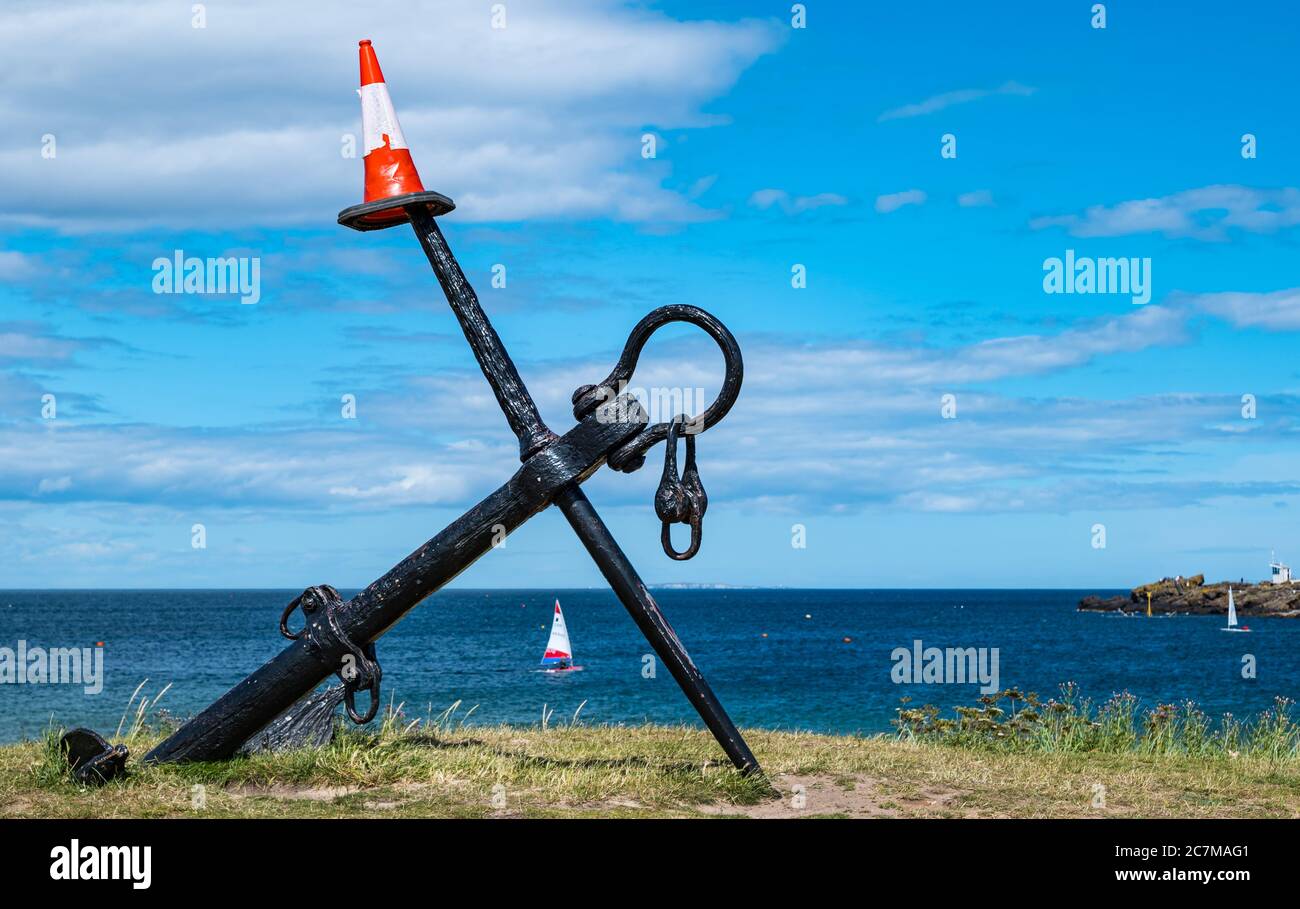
(631, 455)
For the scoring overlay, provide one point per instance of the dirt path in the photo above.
(859, 796)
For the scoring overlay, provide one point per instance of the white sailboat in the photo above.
(1232, 615)
(559, 653)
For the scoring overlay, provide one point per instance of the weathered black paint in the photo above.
(219, 730)
(521, 413)
(91, 759)
(631, 590)
(610, 426)
(632, 455)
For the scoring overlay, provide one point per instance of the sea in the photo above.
(819, 660)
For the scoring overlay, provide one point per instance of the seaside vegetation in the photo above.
(1016, 721)
(1010, 756)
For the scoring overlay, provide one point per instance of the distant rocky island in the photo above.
(1192, 596)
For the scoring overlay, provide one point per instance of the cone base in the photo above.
(383, 213)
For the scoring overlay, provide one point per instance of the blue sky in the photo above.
(775, 146)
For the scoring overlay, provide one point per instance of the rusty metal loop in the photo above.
(330, 636)
(307, 600)
(680, 499)
(666, 540)
(631, 455)
(284, 620)
(349, 704)
(365, 677)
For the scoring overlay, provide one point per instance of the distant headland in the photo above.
(1192, 596)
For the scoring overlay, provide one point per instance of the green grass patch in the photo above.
(1011, 756)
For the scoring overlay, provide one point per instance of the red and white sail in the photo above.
(558, 650)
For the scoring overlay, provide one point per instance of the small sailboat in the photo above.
(559, 654)
(1232, 615)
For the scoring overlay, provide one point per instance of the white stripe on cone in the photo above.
(378, 118)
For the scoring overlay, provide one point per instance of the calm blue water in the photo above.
(482, 647)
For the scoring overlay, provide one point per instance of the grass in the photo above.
(1071, 724)
(1077, 762)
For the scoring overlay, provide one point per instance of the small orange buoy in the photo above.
(848, 640)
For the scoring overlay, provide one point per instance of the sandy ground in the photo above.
(800, 796)
(859, 797)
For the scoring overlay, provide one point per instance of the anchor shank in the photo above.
(620, 574)
(520, 410)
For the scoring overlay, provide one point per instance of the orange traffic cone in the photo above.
(390, 173)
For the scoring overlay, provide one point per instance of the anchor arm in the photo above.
(632, 592)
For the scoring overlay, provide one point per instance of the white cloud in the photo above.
(16, 265)
(980, 198)
(859, 425)
(1209, 213)
(28, 343)
(141, 464)
(540, 119)
(1276, 311)
(948, 99)
(49, 484)
(894, 201)
(1147, 327)
(793, 205)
